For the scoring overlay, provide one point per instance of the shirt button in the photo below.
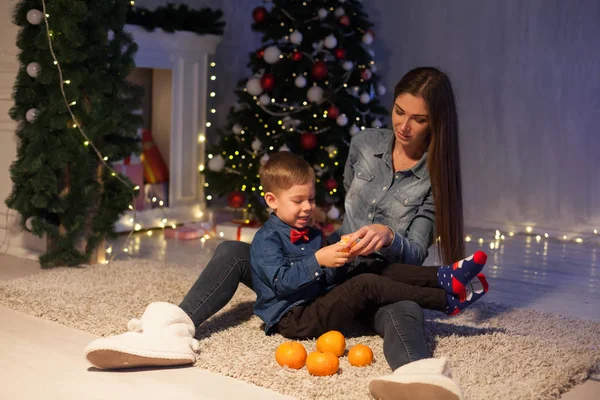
(316, 274)
(301, 248)
(369, 215)
(292, 263)
(374, 201)
(385, 187)
(405, 201)
(359, 174)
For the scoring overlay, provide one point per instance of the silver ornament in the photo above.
(300, 81)
(272, 54)
(315, 94)
(217, 163)
(33, 69)
(253, 86)
(34, 17)
(32, 114)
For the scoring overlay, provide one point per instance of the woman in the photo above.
(392, 178)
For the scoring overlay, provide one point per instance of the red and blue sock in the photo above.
(474, 290)
(453, 278)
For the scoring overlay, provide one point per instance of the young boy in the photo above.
(298, 281)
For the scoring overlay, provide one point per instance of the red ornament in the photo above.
(267, 82)
(331, 184)
(366, 74)
(259, 14)
(260, 53)
(345, 20)
(333, 112)
(236, 199)
(319, 70)
(340, 53)
(296, 56)
(308, 141)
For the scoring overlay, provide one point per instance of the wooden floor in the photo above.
(41, 358)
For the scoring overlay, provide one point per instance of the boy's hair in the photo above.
(284, 170)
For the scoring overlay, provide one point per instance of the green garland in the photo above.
(181, 18)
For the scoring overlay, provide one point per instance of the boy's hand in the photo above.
(331, 256)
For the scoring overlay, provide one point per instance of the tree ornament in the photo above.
(355, 90)
(354, 130)
(272, 54)
(339, 12)
(373, 68)
(284, 148)
(217, 163)
(256, 145)
(253, 86)
(296, 37)
(33, 69)
(259, 14)
(297, 56)
(347, 65)
(34, 17)
(289, 123)
(260, 53)
(32, 114)
(29, 224)
(331, 184)
(332, 150)
(267, 82)
(319, 70)
(381, 90)
(236, 199)
(333, 111)
(237, 129)
(319, 171)
(333, 213)
(345, 20)
(322, 13)
(342, 120)
(308, 140)
(376, 123)
(367, 38)
(330, 42)
(366, 74)
(264, 159)
(365, 98)
(300, 81)
(314, 94)
(340, 53)
(264, 99)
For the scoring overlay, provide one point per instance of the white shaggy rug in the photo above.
(496, 352)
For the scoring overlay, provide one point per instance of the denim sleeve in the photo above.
(412, 248)
(349, 166)
(274, 270)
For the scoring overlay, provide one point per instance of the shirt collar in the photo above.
(385, 148)
(279, 225)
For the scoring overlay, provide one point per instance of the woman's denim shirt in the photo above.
(376, 195)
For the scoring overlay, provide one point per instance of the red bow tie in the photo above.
(296, 235)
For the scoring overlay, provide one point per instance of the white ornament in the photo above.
(373, 68)
(300, 81)
(330, 42)
(33, 69)
(367, 38)
(264, 159)
(376, 123)
(348, 65)
(256, 145)
(319, 171)
(217, 163)
(381, 90)
(322, 13)
(237, 129)
(272, 54)
(264, 99)
(32, 114)
(284, 148)
(315, 94)
(296, 37)
(29, 224)
(34, 16)
(355, 90)
(365, 98)
(253, 86)
(339, 12)
(333, 213)
(289, 123)
(354, 130)
(342, 120)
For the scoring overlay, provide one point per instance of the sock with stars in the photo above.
(474, 290)
(453, 278)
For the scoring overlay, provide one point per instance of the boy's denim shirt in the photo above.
(286, 274)
(376, 195)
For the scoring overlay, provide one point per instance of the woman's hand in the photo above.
(372, 238)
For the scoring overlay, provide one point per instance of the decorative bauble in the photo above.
(34, 17)
(297, 56)
(264, 159)
(331, 184)
(366, 74)
(29, 224)
(32, 114)
(376, 123)
(253, 86)
(284, 148)
(319, 70)
(367, 38)
(342, 120)
(260, 53)
(236, 199)
(333, 213)
(256, 145)
(322, 13)
(33, 69)
(308, 141)
(339, 12)
(373, 68)
(340, 53)
(264, 99)
(330, 42)
(355, 90)
(296, 37)
(332, 150)
(348, 65)
(217, 163)
(267, 82)
(381, 90)
(345, 20)
(259, 14)
(314, 94)
(365, 98)
(319, 171)
(300, 81)
(354, 130)
(272, 54)
(289, 123)
(237, 129)
(333, 111)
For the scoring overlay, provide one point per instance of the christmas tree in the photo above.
(74, 109)
(313, 86)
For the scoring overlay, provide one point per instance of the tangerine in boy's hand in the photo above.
(344, 242)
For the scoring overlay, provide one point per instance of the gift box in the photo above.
(243, 231)
(155, 193)
(132, 168)
(155, 168)
(189, 231)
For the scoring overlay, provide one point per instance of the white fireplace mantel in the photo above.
(186, 55)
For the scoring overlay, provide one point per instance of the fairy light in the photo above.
(468, 239)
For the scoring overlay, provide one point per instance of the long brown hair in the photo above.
(443, 159)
